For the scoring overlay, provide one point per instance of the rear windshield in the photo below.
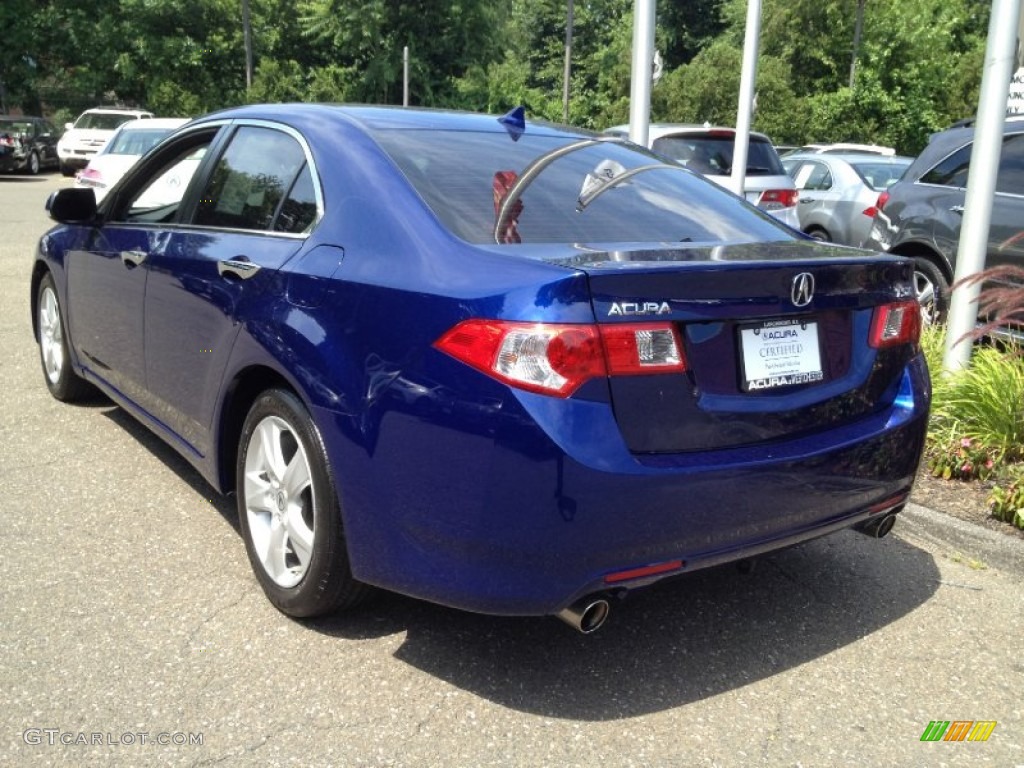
(583, 196)
(713, 154)
(15, 127)
(879, 176)
(136, 142)
(101, 121)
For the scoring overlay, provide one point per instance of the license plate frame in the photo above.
(779, 353)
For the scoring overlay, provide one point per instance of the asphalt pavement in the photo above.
(132, 632)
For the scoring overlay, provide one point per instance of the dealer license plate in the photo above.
(780, 353)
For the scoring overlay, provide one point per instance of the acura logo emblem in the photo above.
(803, 289)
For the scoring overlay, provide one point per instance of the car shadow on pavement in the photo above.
(16, 178)
(680, 641)
(225, 505)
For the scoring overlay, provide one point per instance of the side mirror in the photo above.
(72, 205)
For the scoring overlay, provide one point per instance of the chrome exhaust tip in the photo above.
(879, 528)
(586, 615)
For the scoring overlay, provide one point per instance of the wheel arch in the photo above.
(239, 396)
(39, 271)
(922, 251)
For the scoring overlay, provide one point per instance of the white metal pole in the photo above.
(567, 69)
(745, 108)
(643, 61)
(405, 76)
(1000, 60)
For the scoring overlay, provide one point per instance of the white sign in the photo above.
(1015, 102)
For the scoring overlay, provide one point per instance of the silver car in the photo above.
(838, 192)
(708, 150)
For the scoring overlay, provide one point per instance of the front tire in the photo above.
(66, 170)
(63, 383)
(32, 166)
(289, 511)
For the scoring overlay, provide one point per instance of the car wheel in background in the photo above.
(932, 291)
(32, 166)
(819, 234)
(289, 512)
(66, 170)
(63, 383)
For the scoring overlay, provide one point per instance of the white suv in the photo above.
(708, 149)
(87, 135)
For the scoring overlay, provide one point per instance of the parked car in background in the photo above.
(27, 144)
(514, 371)
(86, 136)
(130, 142)
(838, 192)
(845, 148)
(920, 215)
(708, 150)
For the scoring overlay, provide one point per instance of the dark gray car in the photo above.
(920, 215)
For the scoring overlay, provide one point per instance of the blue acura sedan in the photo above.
(505, 366)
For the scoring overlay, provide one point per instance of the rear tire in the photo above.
(932, 291)
(63, 383)
(289, 511)
(819, 234)
(66, 170)
(32, 166)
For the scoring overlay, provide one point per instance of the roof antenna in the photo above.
(514, 122)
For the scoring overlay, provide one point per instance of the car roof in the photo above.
(944, 143)
(115, 111)
(154, 122)
(660, 130)
(378, 118)
(853, 158)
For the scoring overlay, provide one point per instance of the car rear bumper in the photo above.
(500, 521)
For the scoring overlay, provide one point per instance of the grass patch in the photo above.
(976, 429)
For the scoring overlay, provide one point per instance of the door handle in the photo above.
(237, 268)
(807, 200)
(132, 259)
(956, 208)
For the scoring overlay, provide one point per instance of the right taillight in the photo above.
(556, 359)
(895, 324)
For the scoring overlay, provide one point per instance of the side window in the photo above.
(251, 180)
(1011, 166)
(298, 212)
(951, 172)
(157, 197)
(819, 178)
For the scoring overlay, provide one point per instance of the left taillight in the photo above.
(556, 359)
(895, 324)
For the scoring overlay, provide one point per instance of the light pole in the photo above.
(568, 63)
(247, 37)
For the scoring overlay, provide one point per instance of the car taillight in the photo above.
(556, 359)
(7, 141)
(776, 199)
(896, 323)
(872, 210)
(90, 177)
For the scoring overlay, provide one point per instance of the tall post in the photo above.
(1000, 60)
(405, 76)
(247, 38)
(745, 108)
(567, 70)
(643, 61)
(857, 29)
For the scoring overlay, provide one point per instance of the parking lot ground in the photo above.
(129, 617)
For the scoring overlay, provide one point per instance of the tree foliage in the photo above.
(918, 64)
